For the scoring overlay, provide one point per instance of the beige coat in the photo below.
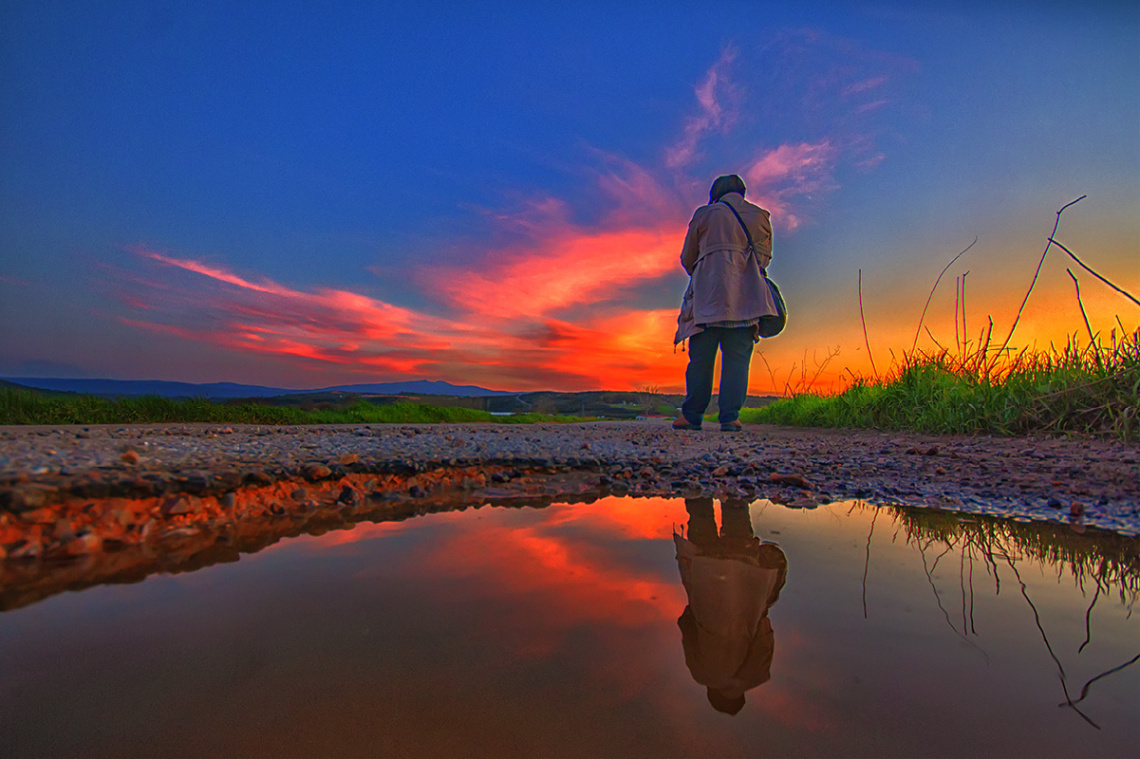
(725, 631)
(725, 284)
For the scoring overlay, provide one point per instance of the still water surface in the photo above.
(591, 630)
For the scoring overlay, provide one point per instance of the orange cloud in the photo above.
(571, 268)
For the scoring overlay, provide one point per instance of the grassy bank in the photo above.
(26, 407)
(1093, 390)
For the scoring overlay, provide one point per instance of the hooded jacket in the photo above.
(725, 284)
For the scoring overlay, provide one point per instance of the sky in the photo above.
(309, 194)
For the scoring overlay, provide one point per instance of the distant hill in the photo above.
(421, 387)
(225, 390)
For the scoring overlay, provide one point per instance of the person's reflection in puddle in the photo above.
(731, 579)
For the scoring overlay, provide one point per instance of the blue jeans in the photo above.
(735, 345)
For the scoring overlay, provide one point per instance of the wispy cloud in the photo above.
(783, 175)
(715, 111)
(359, 335)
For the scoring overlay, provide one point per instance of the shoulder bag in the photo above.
(770, 325)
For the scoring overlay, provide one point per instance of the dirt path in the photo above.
(1089, 482)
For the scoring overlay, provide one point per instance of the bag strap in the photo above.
(751, 245)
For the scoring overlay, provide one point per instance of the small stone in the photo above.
(720, 471)
(39, 516)
(84, 544)
(63, 531)
(348, 459)
(130, 457)
(180, 532)
(257, 477)
(1076, 508)
(175, 505)
(299, 495)
(31, 549)
(940, 470)
(794, 480)
(317, 472)
(29, 497)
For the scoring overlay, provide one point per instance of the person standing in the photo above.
(726, 297)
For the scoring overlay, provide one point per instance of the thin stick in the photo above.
(918, 331)
(867, 561)
(1085, 690)
(866, 341)
(1036, 274)
(985, 347)
(965, 332)
(770, 372)
(1088, 327)
(1089, 269)
(935, 340)
(957, 306)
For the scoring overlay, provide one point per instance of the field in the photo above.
(27, 407)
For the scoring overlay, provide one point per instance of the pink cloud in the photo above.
(781, 176)
(862, 86)
(874, 105)
(713, 114)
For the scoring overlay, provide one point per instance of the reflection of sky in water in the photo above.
(554, 632)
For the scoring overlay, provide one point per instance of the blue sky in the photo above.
(301, 195)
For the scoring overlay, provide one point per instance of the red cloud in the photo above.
(568, 269)
(365, 336)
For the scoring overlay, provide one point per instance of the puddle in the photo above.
(568, 631)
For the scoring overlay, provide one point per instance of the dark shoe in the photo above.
(733, 426)
(681, 423)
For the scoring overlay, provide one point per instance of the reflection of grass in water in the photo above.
(1109, 560)
(1087, 390)
(27, 407)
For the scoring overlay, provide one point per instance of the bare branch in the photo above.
(1087, 268)
(1036, 274)
(866, 341)
(918, 331)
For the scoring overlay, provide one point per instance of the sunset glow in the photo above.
(317, 220)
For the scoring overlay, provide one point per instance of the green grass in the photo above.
(1093, 391)
(27, 407)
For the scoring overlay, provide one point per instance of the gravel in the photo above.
(1080, 481)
